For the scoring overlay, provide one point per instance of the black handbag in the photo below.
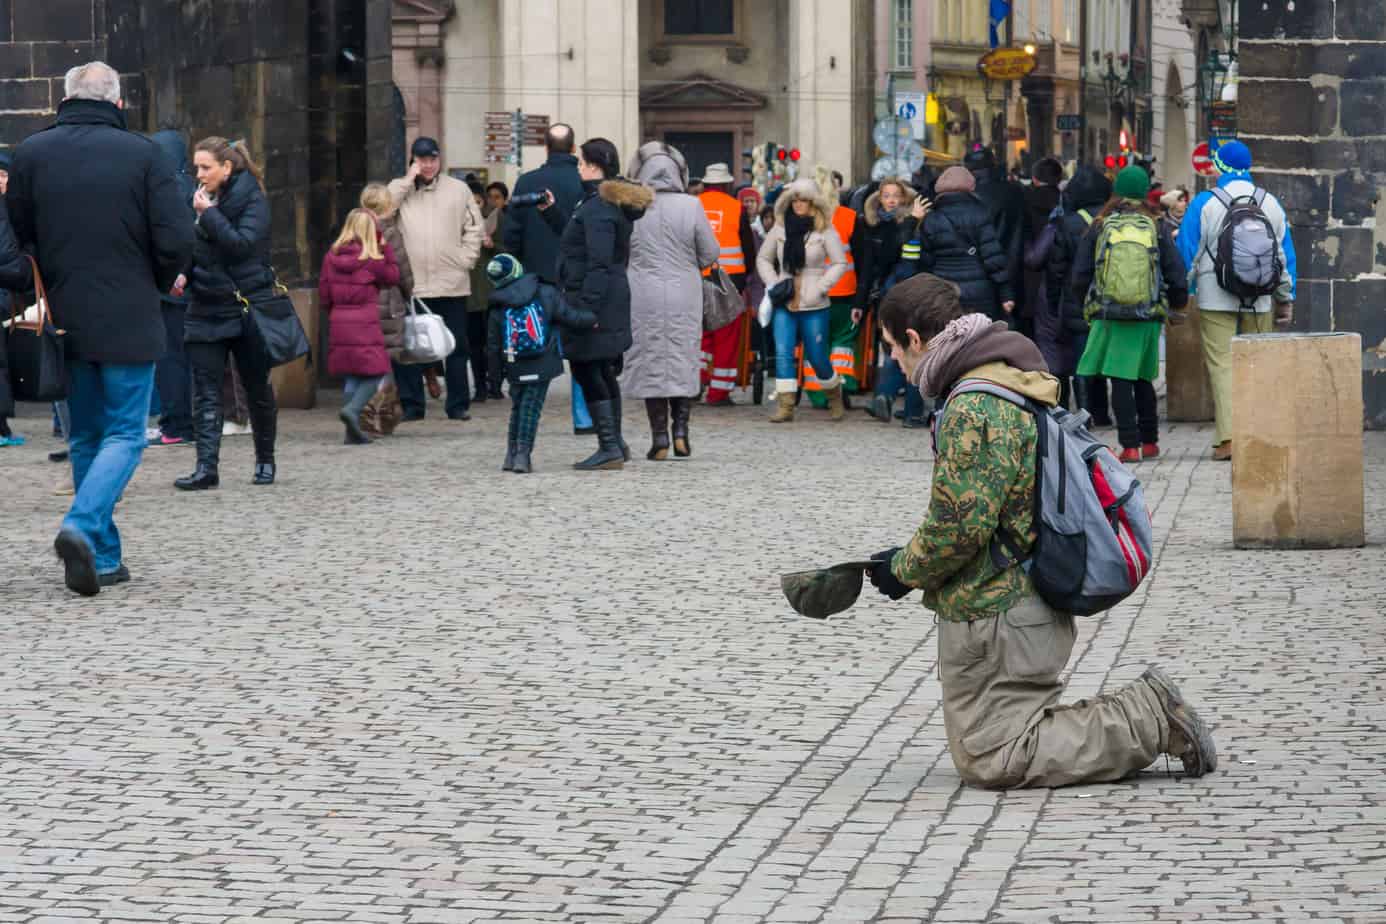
(277, 327)
(34, 352)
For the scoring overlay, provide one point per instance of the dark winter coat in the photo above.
(1040, 202)
(1005, 201)
(593, 254)
(102, 214)
(959, 243)
(876, 247)
(1172, 270)
(1060, 354)
(174, 152)
(231, 255)
(349, 294)
(394, 300)
(528, 235)
(558, 313)
(17, 275)
(1088, 192)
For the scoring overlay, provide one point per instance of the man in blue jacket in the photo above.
(1222, 313)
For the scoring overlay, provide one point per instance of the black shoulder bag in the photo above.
(38, 370)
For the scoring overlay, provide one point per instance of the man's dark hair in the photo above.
(1048, 171)
(559, 138)
(602, 153)
(504, 190)
(475, 186)
(924, 303)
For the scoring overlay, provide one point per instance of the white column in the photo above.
(820, 83)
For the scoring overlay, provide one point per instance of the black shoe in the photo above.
(584, 431)
(355, 436)
(608, 455)
(495, 394)
(509, 465)
(79, 566)
(657, 409)
(264, 473)
(462, 415)
(202, 479)
(479, 397)
(916, 423)
(682, 409)
(410, 418)
(60, 455)
(522, 463)
(120, 575)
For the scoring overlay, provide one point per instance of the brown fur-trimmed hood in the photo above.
(632, 198)
(871, 210)
(806, 189)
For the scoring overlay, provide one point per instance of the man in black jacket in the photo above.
(531, 240)
(101, 212)
(172, 375)
(1006, 203)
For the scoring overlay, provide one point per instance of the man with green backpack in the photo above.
(1130, 276)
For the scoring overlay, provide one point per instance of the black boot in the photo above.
(608, 454)
(207, 420)
(683, 408)
(658, 411)
(509, 465)
(522, 464)
(264, 421)
(620, 438)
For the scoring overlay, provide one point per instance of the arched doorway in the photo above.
(1177, 170)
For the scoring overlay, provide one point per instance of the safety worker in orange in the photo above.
(732, 226)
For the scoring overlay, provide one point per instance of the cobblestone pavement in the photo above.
(402, 686)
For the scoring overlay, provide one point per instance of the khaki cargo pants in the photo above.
(1001, 707)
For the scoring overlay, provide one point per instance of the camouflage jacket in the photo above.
(984, 476)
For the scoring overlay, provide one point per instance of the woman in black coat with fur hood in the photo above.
(593, 252)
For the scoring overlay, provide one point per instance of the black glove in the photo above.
(885, 582)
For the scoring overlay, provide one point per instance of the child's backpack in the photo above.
(1247, 263)
(1095, 537)
(526, 332)
(1127, 284)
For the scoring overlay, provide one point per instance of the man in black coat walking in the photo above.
(100, 210)
(531, 239)
(1006, 203)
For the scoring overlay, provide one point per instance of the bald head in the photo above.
(560, 138)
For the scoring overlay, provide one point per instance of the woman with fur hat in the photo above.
(803, 247)
(1126, 299)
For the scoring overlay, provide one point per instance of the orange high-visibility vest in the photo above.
(724, 214)
(845, 221)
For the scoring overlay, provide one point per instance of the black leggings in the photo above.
(598, 378)
(1137, 419)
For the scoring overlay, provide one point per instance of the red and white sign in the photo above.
(1203, 160)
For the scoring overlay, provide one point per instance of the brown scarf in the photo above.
(968, 342)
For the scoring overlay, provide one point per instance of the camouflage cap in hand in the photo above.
(826, 591)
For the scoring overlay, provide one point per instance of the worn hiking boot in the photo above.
(786, 392)
(837, 406)
(1189, 738)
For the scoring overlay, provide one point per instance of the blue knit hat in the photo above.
(504, 269)
(1232, 157)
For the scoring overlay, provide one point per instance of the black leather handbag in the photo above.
(277, 327)
(34, 351)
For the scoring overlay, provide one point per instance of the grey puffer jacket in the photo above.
(668, 250)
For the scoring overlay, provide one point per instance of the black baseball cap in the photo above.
(424, 147)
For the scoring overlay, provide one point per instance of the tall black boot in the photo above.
(207, 420)
(658, 411)
(264, 421)
(620, 437)
(608, 454)
(683, 409)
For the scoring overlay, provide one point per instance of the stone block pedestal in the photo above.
(1297, 441)
(1190, 394)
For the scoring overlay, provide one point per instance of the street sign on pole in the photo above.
(1068, 122)
(1203, 160)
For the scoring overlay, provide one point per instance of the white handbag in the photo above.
(765, 312)
(426, 338)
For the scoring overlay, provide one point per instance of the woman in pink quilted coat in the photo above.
(354, 271)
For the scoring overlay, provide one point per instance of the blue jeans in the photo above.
(810, 326)
(108, 404)
(893, 379)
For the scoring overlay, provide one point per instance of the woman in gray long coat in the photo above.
(668, 251)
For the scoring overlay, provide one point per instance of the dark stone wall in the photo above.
(272, 72)
(1312, 107)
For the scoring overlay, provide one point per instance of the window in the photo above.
(1044, 19)
(902, 48)
(1071, 21)
(699, 17)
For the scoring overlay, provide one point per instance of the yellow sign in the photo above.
(931, 109)
(1006, 63)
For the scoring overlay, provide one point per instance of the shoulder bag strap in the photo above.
(45, 310)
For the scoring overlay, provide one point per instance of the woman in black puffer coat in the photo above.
(958, 242)
(231, 266)
(1083, 200)
(593, 253)
(16, 274)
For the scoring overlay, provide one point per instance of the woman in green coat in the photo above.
(1130, 276)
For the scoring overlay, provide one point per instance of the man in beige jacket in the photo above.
(442, 229)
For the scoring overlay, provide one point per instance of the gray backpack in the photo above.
(1247, 261)
(1095, 539)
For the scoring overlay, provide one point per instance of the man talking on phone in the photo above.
(443, 229)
